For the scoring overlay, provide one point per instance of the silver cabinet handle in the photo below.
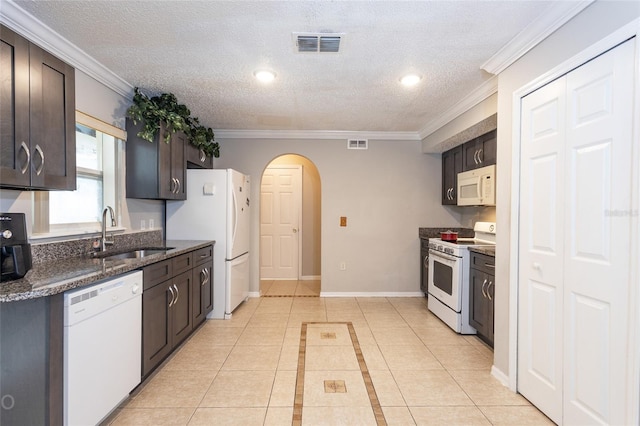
(175, 185)
(483, 292)
(172, 186)
(203, 276)
(475, 157)
(488, 265)
(425, 262)
(179, 186)
(488, 287)
(173, 297)
(203, 156)
(177, 294)
(39, 151)
(480, 152)
(208, 275)
(26, 163)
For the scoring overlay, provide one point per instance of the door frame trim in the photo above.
(617, 37)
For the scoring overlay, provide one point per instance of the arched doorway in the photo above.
(290, 224)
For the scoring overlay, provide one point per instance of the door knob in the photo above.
(295, 230)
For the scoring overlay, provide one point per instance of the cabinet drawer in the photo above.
(203, 255)
(482, 262)
(157, 273)
(182, 263)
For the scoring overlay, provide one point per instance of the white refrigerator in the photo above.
(217, 208)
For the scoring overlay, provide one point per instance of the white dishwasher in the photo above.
(102, 347)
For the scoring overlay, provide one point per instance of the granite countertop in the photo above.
(57, 276)
(488, 250)
(426, 233)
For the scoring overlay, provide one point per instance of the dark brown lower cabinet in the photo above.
(176, 299)
(481, 295)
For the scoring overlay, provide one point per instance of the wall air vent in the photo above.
(358, 144)
(317, 42)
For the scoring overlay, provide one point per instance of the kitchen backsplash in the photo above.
(47, 252)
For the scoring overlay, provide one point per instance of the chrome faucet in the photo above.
(104, 240)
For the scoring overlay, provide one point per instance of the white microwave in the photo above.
(477, 187)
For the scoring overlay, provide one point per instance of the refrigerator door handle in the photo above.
(234, 215)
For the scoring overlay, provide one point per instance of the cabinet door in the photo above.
(207, 290)
(451, 166)
(196, 158)
(52, 115)
(181, 324)
(478, 301)
(471, 154)
(172, 166)
(480, 152)
(179, 165)
(156, 326)
(202, 297)
(489, 148)
(15, 151)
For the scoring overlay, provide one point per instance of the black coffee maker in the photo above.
(16, 250)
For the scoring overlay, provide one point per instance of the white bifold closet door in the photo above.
(574, 240)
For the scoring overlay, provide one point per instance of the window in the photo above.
(58, 213)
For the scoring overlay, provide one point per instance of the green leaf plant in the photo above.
(177, 117)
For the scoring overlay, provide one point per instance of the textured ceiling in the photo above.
(205, 52)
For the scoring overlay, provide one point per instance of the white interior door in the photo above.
(574, 270)
(280, 209)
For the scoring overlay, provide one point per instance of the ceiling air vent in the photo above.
(358, 144)
(317, 42)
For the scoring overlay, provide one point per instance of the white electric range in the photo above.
(449, 276)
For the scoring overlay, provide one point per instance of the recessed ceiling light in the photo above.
(265, 76)
(410, 80)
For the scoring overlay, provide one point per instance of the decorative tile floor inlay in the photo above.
(333, 386)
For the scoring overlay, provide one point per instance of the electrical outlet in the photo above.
(343, 266)
(143, 224)
(151, 224)
(343, 221)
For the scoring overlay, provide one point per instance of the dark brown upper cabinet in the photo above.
(451, 166)
(37, 118)
(480, 152)
(155, 170)
(197, 159)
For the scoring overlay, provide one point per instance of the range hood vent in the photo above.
(317, 42)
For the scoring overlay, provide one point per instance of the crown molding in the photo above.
(38, 33)
(556, 15)
(315, 134)
(487, 89)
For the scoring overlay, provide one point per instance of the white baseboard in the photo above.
(498, 374)
(310, 277)
(372, 294)
(253, 294)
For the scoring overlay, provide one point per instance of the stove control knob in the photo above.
(440, 247)
(448, 250)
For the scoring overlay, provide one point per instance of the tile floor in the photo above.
(249, 370)
(300, 288)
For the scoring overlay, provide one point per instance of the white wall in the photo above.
(387, 192)
(595, 22)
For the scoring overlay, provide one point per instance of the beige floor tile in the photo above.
(398, 416)
(177, 389)
(282, 288)
(387, 389)
(198, 357)
(373, 358)
(423, 319)
(308, 288)
(375, 304)
(484, 389)
(515, 416)
(448, 416)
(461, 358)
(252, 358)
(228, 417)
(279, 416)
(295, 320)
(240, 389)
(338, 416)
(304, 304)
(265, 285)
(430, 388)
(349, 304)
(289, 357)
(355, 318)
(389, 318)
(410, 357)
(274, 305)
(153, 416)
(213, 335)
(440, 336)
(331, 358)
(284, 388)
(364, 335)
(396, 336)
(315, 395)
(328, 335)
(269, 319)
(292, 336)
(261, 336)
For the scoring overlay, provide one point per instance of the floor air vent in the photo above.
(358, 144)
(317, 43)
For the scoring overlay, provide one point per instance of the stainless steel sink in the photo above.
(134, 254)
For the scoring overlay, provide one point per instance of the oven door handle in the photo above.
(443, 256)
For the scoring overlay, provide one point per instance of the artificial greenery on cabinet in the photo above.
(177, 117)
